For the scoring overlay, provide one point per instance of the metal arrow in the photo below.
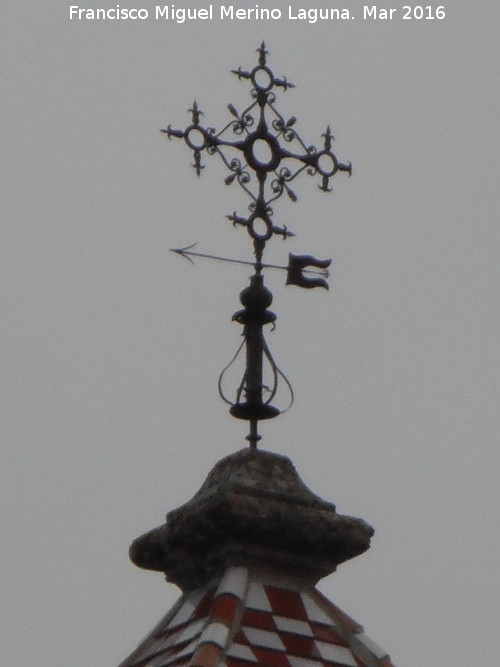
(187, 253)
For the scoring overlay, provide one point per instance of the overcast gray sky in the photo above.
(111, 345)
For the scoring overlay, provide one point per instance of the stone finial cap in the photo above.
(253, 510)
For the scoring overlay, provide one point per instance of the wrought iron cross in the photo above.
(264, 154)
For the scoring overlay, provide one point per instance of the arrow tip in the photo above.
(183, 252)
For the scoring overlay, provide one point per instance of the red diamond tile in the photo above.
(286, 602)
(239, 638)
(270, 658)
(303, 647)
(258, 619)
(224, 609)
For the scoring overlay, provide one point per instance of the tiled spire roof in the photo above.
(250, 619)
(248, 550)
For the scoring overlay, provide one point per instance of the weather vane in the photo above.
(264, 154)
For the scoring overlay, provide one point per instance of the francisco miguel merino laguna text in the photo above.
(226, 12)
(229, 12)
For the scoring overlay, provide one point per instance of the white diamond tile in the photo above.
(314, 611)
(156, 638)
(152, 647)
(368, 643)
(189, 648)
(301, 662)
(257, 598)
(294, 626)
(234, 582)
(165, 642)
(264, 638)
(157, 645)
(187, 609)
(334, 653)
(184, 633)
(189, 631)
(241, 652)
(215, 633)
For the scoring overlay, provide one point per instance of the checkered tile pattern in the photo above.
(247, 621)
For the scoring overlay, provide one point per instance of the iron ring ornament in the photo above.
(270, 153)
(264, 154)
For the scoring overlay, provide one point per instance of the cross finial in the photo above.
(264, 154)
